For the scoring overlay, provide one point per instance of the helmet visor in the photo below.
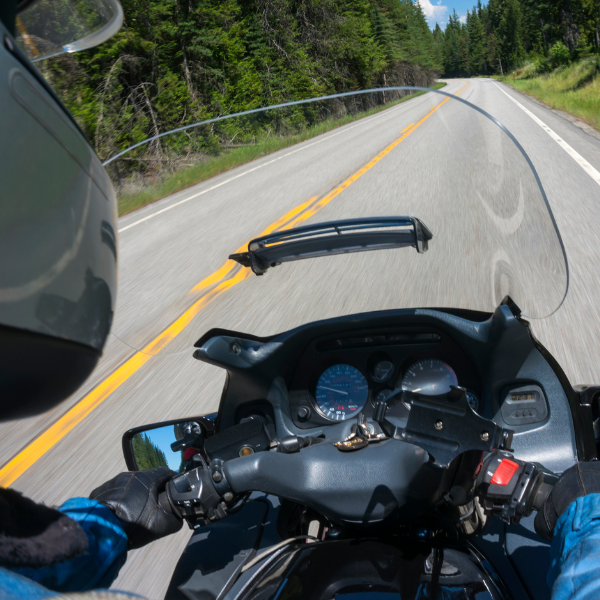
(51, 27)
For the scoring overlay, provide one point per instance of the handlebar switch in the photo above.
(509, 488)
(182, 484)
(195, 497)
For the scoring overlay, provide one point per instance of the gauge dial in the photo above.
(383, 370)
(429, 377)
(342, 392)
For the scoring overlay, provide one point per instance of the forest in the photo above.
(177, 62)
(147, 454)
(500, 36)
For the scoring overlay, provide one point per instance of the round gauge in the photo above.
(473, 401)
(430, 377)
(383, 370)
(342, 392)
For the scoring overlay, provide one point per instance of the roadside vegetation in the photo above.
(208, 166)
(548, 49)
(504, 35)
(179, 62)
(573, 87)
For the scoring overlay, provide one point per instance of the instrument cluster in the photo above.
(346, 381)
(342, 391)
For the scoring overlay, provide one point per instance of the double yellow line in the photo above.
(211, 287)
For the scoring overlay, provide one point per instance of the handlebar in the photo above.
(511, 489)
(379, 478)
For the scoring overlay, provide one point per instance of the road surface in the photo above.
(168, 248)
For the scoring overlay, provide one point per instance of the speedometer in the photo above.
(429, 377)
(342, 392)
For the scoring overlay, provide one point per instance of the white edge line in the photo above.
(193, 196)
(584, 164)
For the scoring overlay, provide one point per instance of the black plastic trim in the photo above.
(582, 422)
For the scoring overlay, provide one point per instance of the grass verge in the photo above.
(230, 159)
(574, 89)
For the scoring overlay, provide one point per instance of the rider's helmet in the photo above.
(58, 250)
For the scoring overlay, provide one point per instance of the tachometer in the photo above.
(430, 377)
(342, 392)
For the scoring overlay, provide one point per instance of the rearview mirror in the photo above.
(167, 444)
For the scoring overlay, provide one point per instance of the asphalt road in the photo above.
(448, 161)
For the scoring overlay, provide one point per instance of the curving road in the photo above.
(426, 157)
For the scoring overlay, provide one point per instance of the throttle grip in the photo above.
(163, 502)
(511, 489)
(541, 494)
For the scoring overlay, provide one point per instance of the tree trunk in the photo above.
(544, 35)
(154, 123)
(186, 68)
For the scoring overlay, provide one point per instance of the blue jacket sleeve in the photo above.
(106, 553)
(575, 552)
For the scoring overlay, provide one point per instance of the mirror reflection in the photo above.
(168, 446)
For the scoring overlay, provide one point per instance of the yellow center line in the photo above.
(46, 440)
(229, 265)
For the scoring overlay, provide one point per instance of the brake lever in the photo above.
(445, 426)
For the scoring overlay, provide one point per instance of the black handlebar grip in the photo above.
(166, 504)
(541, 494)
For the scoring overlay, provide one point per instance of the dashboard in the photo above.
(316, 379)
(338, 377)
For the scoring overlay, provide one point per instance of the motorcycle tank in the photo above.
(494, 234)
(374, 570)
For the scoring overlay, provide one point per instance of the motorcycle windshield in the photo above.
(393, 152)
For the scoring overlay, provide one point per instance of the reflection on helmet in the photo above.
(58, 276)
(47, 28)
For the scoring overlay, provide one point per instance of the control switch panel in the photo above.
(524, 405)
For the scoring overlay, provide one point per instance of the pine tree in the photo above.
(147, 454)
(510, 34)
(477, 42)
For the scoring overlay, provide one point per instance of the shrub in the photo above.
(559, 54)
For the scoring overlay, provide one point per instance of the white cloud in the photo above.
(434, 13)
(463, 19)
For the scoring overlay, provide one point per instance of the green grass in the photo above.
(574, 89)
(230, 159)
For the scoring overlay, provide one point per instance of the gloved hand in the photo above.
(133, 497)
(580, 480)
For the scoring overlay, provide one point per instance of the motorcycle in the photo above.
(398, 452)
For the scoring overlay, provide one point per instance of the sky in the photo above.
(437, 11)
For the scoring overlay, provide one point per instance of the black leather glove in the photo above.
(133, 497)
(580, 480)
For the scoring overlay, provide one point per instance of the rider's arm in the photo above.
(124, 513)
(570, 517)
(106, 553)
(575, 551)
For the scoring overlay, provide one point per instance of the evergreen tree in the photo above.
(147, 454)
(477, 42)
(510, 33)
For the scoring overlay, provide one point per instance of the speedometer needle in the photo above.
(334, 390)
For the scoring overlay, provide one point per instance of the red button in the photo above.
(506, 469)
